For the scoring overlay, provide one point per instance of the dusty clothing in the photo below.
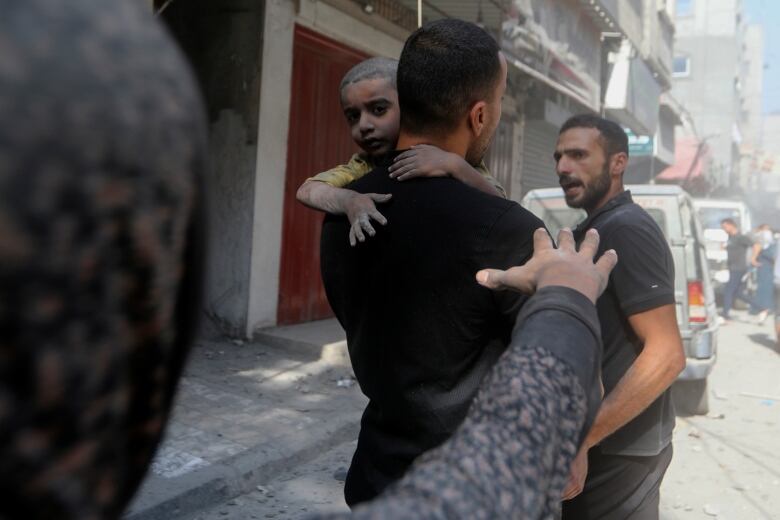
(421, 332)
(101, 148)
(358, 166)
(510, 457)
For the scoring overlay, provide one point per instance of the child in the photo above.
(370, 103)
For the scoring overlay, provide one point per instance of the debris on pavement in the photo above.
(711, 510)
(765, 397)
(346, 382)
(719, 395)
(340, 474)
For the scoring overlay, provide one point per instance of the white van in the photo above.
(711, 214)
(672, 209)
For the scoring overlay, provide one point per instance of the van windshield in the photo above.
(556, 214)
(660, 219)
(712, 217)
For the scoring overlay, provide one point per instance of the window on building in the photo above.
(684, 7)
(681, 66)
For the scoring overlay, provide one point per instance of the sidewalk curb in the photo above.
(167, 499)
(323, 339)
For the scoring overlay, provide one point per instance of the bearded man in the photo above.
(628, 449)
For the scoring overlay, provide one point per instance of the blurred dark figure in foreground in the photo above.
(510, 457)
(101, 151)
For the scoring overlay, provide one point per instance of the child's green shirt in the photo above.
(358, 166)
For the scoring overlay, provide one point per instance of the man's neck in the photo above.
(453, 142)
(613, 192)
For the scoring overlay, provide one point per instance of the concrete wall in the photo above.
(752, 85)
(268, 197)
(709, 93)
(222, 41)
(771, 131)
(273, 118)
(709, 17)
(347, 23)
(713, 37)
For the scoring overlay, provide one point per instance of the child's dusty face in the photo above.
(373, 116)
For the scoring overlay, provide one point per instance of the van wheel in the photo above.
(691, 397)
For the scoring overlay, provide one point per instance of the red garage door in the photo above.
(318, 139)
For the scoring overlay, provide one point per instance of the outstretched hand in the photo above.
(563, 266)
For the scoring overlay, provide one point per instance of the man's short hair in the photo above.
(372, 68)
(729, 221)
(613, 137)
(445, 67)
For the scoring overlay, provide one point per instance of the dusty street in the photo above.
(726, 465)
(317, 486)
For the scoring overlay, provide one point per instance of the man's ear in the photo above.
(477, 117)
(618, 163)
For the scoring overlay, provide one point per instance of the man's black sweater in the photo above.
(421, 332)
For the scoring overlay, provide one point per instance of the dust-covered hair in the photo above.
(372, 68)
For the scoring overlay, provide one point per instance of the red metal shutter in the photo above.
(318, 139)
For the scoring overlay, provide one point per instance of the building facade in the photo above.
(709, 71)
(751, 149)
(269, 71)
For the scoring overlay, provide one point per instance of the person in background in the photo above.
(763, 259)
(777, 297)
(369, 100)
(736, 250)
(102, 150)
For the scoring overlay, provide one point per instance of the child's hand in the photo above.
(360, 209)
(424, 160)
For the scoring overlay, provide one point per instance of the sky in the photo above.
(767, 13)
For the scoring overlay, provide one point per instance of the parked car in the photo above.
(711, 214)
(672, 209)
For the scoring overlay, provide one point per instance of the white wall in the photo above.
(710, 17)
(276, 84)
(339, 25)
(271, 166)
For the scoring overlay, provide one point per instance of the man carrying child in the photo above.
(369, 100)
(421, 332)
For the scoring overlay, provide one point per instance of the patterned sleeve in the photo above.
(343, 174)
(510, 457)
(482, 169)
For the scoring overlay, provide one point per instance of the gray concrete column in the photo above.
(271, 165)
